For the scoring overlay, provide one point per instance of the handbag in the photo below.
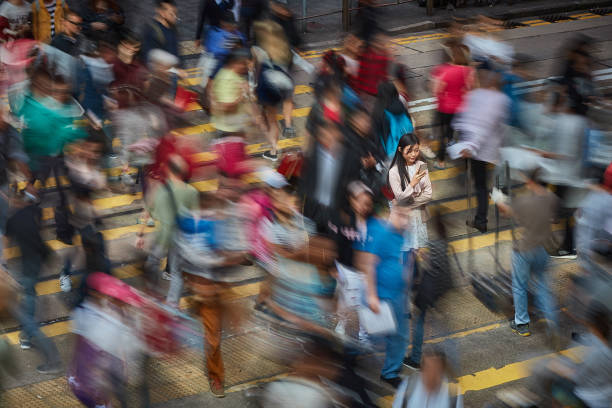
(291, 166)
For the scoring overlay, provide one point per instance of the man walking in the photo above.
(533, 212)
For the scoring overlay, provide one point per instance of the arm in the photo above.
(396, 185)
(426, 192)
(319, 251)
(366, 262)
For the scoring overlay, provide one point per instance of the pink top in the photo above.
(455, 80)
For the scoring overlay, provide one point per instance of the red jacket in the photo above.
(373, 69)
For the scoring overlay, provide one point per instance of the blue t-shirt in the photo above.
(385, 242)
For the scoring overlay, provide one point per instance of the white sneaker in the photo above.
(65, 283)
(427, 152)
(166, 276)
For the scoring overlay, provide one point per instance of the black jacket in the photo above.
(211, 12)
(349, 167)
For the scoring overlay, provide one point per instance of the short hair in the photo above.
(238, 55)
(434, 351)
(72, 13)
(160, 3)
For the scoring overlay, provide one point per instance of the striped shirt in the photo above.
(51, 11)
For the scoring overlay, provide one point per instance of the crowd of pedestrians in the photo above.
(351, 248)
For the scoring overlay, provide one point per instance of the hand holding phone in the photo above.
(423, 168)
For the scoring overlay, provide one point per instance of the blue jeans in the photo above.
(526, 265)
(397, 342)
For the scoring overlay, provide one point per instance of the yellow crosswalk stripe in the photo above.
(494, 377)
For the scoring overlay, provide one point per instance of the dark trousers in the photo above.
(445, 132)
(26, 313)
(479, 174)
(567, 213)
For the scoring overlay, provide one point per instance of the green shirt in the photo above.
(46, 130)
(227, 87)
(186, 198)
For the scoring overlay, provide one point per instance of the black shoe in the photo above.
(393, 381)
(563, 254)
(49, 368)
(410, 363)
(520, 329)
(269, 156)
(480, 227)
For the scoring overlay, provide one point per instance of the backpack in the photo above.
(399, 125)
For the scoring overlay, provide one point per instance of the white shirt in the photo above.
(16, 15)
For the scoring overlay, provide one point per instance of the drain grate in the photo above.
(513, 24)
(552, 18)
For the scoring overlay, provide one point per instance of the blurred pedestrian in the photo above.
(380, 260)
(450, 82)
(47, 16)
(69, 39)
(274, 84)
(11, 156)
(481, 128)
(86, 180)
(171, 198)
(103, 20)
(431, 386)
(373, 69)
(201, 259)
(24, 226)
(390, 119)
(577, 74)
(209, 15)
(15, 20)
(160, 33)
(330, 166)
(533, 211)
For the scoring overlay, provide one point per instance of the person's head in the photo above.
(533, 179)
(399, 216)
(283, 200)
(90, 148)
(99, 6)
(360, 121)
(408, 150)
(280, 9)
(72, 23)
(176, 168)
(238, 61)
(128, 47)
(380, 43)
(60, 89)
(460, 54)
(330, 136)
(353, 45)
(41, 83)
(227, 21)
(387, 94)
(360, 198)
(399, 76)
(166, 12)
(433, 368)
(488, 78)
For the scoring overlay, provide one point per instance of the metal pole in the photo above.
(346, 15)
(430, 7)
(303, 16)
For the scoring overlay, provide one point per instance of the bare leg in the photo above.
(273, 131)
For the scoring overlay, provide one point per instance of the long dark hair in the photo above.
(386, 100)
(409, 139)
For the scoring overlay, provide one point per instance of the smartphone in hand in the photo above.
(423, 168)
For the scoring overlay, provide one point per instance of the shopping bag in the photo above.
(378, 324)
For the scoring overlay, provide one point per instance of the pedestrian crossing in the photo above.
(455, 207)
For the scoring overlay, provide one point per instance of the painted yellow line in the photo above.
(61, 328)
(588, 17)
(494, 377)
(532, 21)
